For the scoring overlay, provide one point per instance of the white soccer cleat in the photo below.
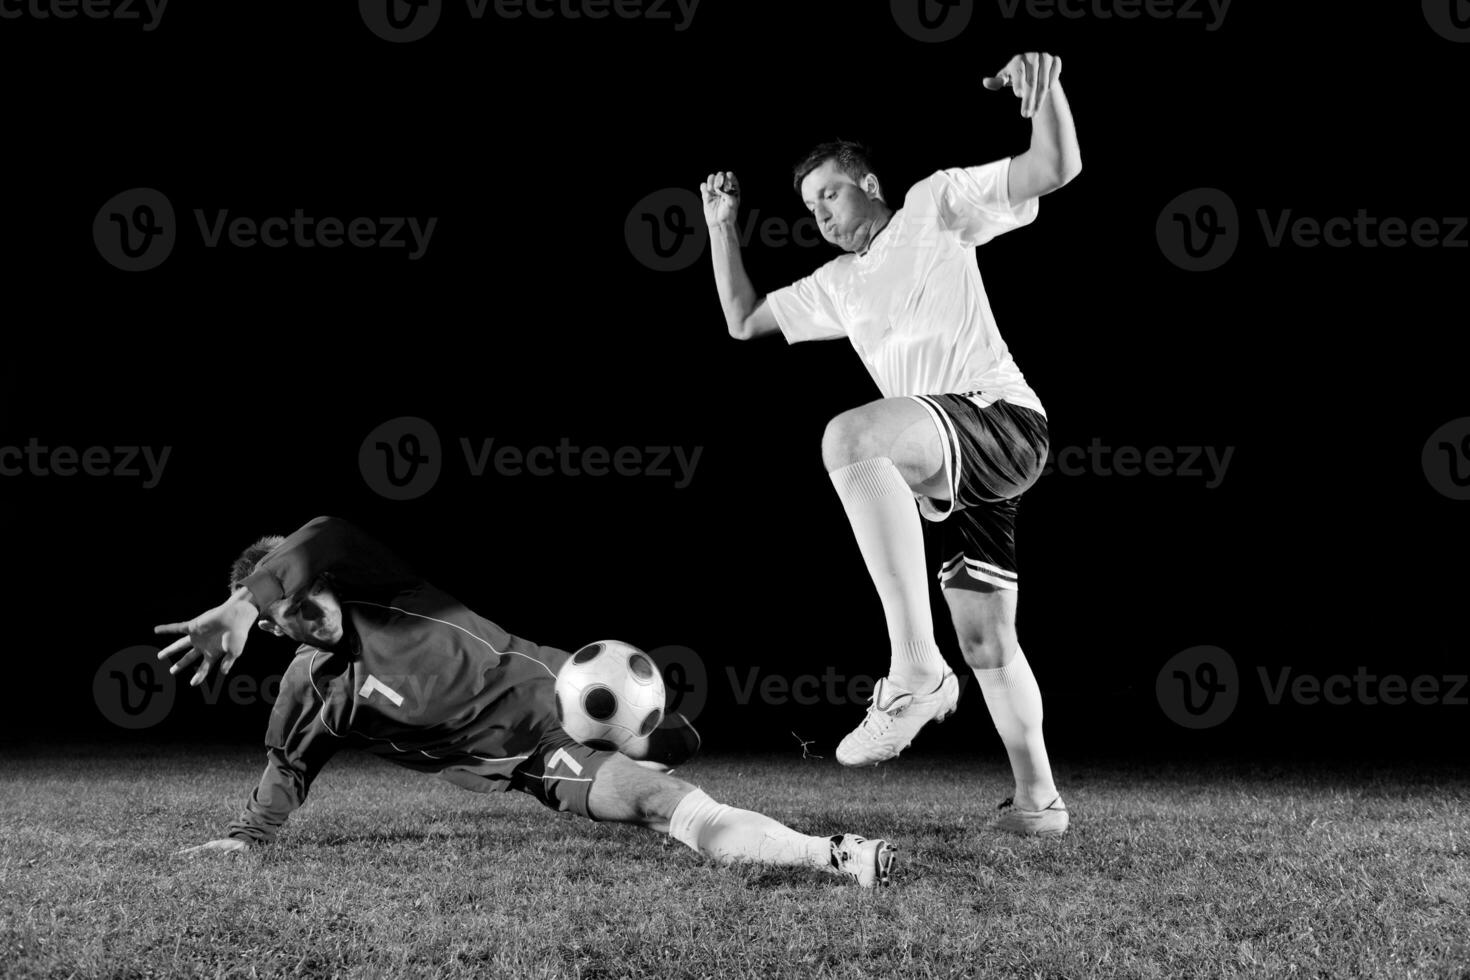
(866, 862)
(894, 718)
(1050, 821)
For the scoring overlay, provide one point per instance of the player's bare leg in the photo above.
(624, 792)
(985, 621)
(878, 456)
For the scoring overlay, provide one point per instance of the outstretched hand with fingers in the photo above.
(1031, 77)
(216, 636)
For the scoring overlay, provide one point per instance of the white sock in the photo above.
(729, 835)
(880, 506)
(1014, 701)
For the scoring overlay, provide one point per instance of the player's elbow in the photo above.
(741, 329)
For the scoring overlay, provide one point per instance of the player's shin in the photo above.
(730, 835)
(880, 507)
(1014, 699)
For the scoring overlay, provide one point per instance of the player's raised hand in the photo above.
(720, 193)
(224, 847)
(1030, 76)
(216, 636)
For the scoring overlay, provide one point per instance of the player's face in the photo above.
(846, 213)
(313, 617)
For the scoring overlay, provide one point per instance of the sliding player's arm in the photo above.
(299, 743)
(326, 546)
(746, 315)
(1053, 158)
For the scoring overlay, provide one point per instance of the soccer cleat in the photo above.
(866, 862)
(894, 718)
(1050, 821)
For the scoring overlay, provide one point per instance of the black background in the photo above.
(530, 320)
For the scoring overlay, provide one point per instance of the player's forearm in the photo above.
(738, 298)
(1054, 150)
(280, 793)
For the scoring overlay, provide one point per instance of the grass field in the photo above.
(1168, 872)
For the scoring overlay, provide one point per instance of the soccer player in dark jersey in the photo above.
(390, 664)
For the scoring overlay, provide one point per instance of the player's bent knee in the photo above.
(989, 653)
(846, 440)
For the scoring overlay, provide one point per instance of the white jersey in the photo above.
(913, 305)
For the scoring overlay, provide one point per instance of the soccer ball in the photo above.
(609, 693)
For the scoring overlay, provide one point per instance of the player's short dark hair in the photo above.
(244, 566)
(853, 159)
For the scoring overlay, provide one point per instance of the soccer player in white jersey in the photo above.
(957, 427)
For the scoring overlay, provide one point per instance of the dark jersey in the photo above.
(417, 678)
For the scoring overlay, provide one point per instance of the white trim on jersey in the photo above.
(409, 612)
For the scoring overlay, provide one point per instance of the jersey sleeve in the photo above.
(298, 744)
(806, 309)
(357, 563)
(974, 202)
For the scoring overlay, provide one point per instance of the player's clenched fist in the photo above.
(1030, 76)
(721, 195)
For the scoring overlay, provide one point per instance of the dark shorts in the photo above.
(992, 456)
(559, 772)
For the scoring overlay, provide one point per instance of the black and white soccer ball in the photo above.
(609, 693)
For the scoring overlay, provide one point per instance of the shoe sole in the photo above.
(885, 858)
